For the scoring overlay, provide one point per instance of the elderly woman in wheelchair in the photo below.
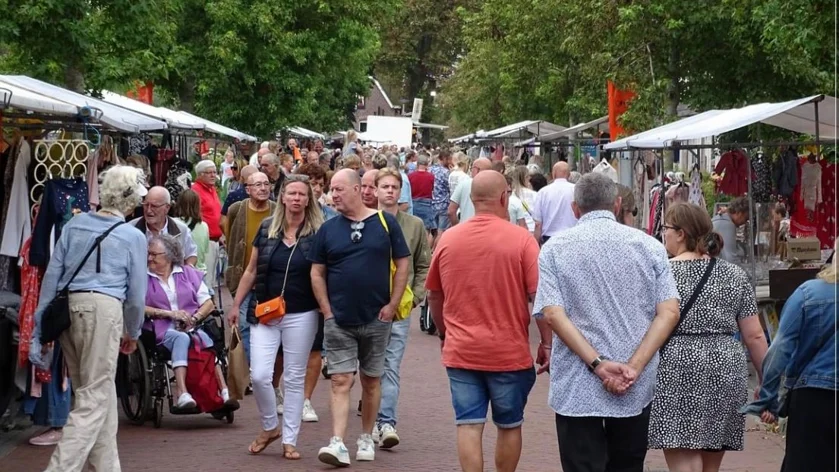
(177, 300)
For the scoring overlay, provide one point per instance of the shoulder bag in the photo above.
(275, 307)
(56, 317)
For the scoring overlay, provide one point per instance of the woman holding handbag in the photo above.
(98, 273)
(283, 310)
(702, 377)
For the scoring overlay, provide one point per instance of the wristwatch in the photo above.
(596, 362)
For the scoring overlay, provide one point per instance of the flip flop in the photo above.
(290, 453)
(257, 447)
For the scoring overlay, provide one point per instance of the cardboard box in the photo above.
(804, 249)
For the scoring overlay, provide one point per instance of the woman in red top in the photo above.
(422, 187)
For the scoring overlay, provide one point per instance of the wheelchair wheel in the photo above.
(158, 412)
(230, 417)
(135, 384)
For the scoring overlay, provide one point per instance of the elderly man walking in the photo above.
(552, 209)
(205, 186)
(608, 294)
(481, 312)
(351, 279)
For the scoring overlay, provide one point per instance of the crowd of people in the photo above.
(329, 251)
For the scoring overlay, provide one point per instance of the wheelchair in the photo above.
(144, 377)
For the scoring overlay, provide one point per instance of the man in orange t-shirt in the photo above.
(483, 274)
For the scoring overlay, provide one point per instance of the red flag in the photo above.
(618, 104)
(144, 92)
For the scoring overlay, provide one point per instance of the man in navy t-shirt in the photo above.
(351, 279)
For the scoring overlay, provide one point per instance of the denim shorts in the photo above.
(351, 347)
(474, 391)
(442, 220)
(423, 211)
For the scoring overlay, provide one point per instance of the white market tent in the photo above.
(24, 100)
(113, 116)
(172, 118)
(795, 115)
(534, 127)
(220, 129)
(569, 132)
(301, 132)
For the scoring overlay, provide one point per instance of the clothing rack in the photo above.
(58, 159)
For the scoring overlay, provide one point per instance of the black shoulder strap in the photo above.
(696, 292)
(95, 246)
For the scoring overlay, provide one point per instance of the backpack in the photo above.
(201, 381)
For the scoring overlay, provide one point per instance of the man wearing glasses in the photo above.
(205, 187)
(351, 279)
(156, 221)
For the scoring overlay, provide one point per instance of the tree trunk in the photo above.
(73, 78)
(673, 94)
(186, 95)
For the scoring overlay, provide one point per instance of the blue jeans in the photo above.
(177, 342)
(390, 381)
(473, 391)
(244, 326)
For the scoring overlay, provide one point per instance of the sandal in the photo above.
(290, 452)
(258, 446)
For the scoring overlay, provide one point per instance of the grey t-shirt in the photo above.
(728, 230)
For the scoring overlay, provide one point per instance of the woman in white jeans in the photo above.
(279, 268)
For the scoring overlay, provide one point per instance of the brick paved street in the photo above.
(425, 427)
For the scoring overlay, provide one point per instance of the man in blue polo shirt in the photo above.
(352, 282)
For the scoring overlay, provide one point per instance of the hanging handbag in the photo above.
(275, 307)
(56, 317)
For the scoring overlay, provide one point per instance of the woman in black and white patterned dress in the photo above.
(703, 377)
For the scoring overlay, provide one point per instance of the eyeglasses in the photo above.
(356, 228)
(155, 254)
(154, 206)
(673, 228)
(259, 185)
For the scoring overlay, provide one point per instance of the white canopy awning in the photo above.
(430, 126)
(24, 100)
(794, 115)
(112, 115)
(304, 133)
(220, 129)
(172, 118)
(534, 127)
(548, 137)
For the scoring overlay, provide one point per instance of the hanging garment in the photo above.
(734, 168)
(762, 184)
(8, 177)
(92, 179)
(811, 185)
(62, 199)
(826, 212)
(677, 193)
(696, 196)
(31, 284)
(605, 168)
(160, 165)
(803, 222)
(178, 178)
(18, 224)
(785, 173)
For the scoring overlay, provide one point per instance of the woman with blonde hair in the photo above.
(522, 190)
(460, 172)
(279, 268)
(803, 352)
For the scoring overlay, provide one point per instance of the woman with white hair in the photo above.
(107, 294)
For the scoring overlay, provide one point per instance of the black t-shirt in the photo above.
(358, 274)
(298, 296)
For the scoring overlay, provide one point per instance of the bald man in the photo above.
(461, 207)
(482, 371)
(256, 158)
(351, 280)
(156, 221)
(552, 207)
(368, 189)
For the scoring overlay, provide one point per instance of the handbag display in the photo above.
(406, 303)
(275, 307)
(56, 317)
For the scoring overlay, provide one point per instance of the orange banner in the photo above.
(618, 104)
(143, 92)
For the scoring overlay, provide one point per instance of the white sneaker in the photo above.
(309, 415)
(185, 401)
(377, 432)
(366, 448)
(335, 454)
(225, 395)
(278, 392)
(388, 437)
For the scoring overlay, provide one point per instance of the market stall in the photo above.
(798, 174)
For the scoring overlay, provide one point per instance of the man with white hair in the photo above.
(271, 167)
(254, 161)
(156, 221)
(205, 187)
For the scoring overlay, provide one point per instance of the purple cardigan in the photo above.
(187, 284)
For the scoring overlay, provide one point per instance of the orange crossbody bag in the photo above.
(275, 308)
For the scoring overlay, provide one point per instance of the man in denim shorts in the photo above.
(481, 312)
(351, 279)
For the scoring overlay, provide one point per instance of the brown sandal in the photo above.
(258, 446)
(290, 452)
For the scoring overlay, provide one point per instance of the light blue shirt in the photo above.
(123, 271)
(609, 278)
(405, 196)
